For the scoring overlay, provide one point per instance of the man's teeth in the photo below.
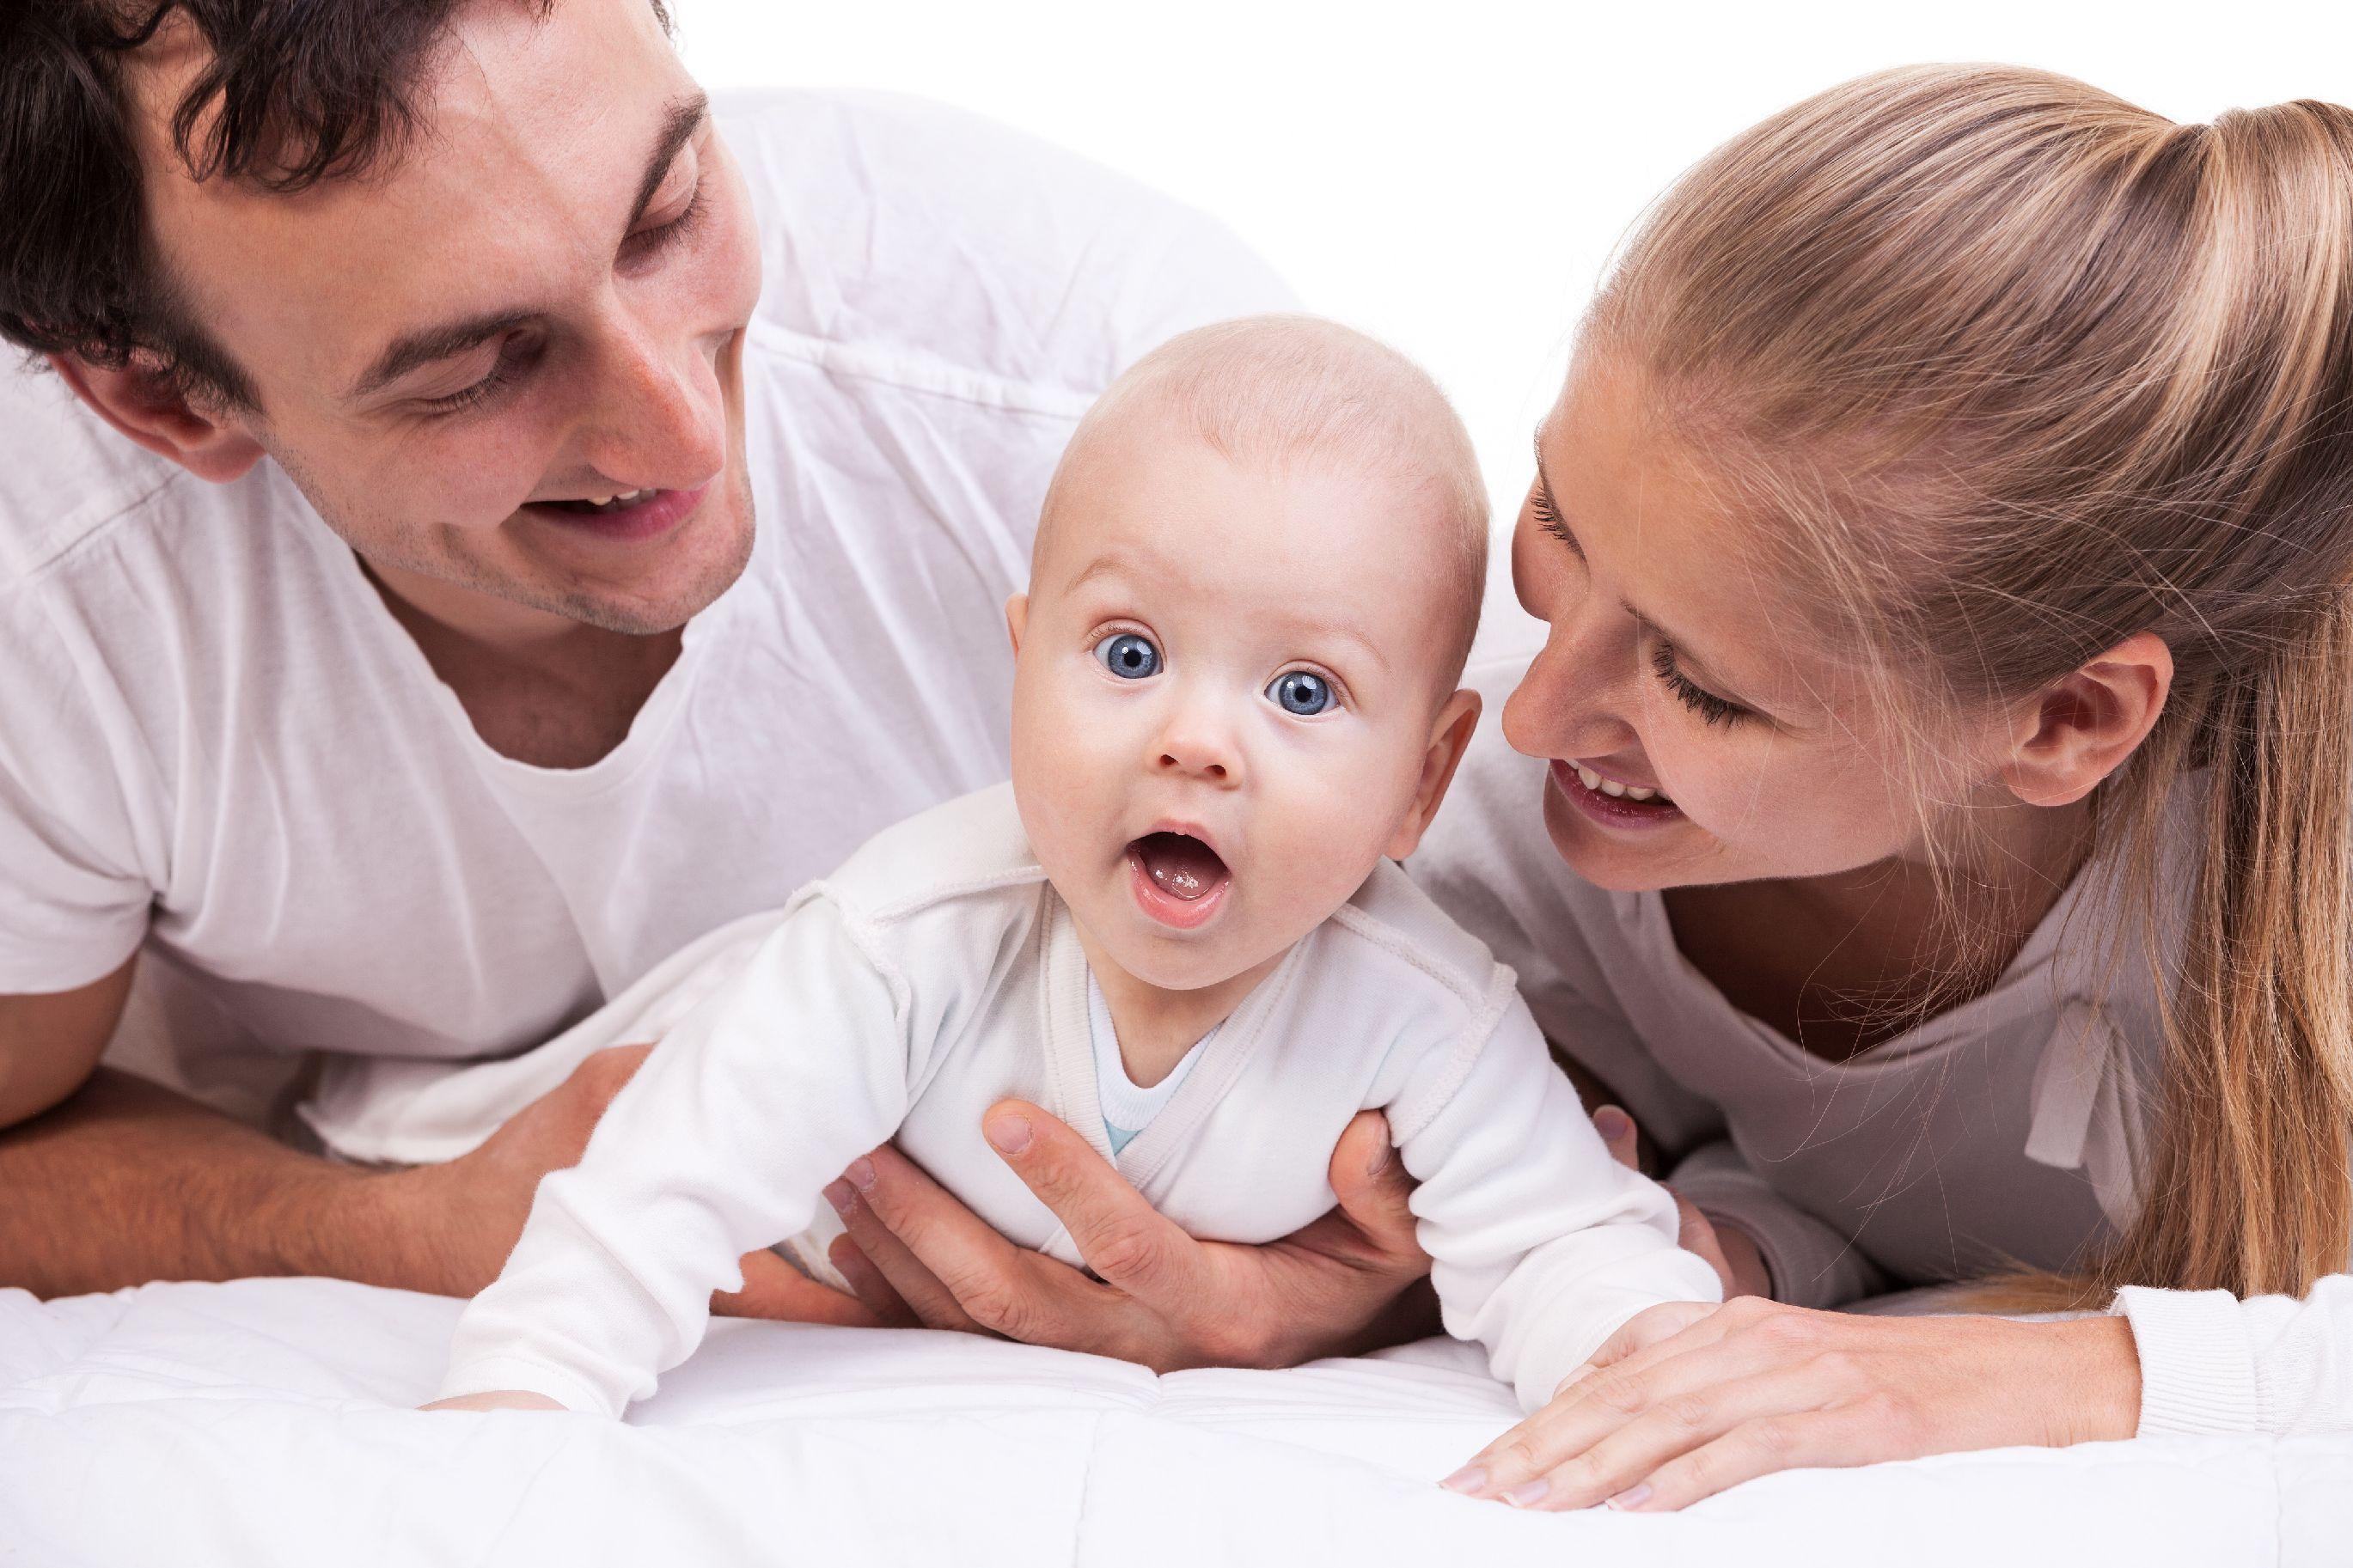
(615, 501)
(1594, 780)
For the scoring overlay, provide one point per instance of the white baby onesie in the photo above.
(937, 973)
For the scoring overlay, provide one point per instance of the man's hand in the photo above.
(1344, 1284)
(456, 1223)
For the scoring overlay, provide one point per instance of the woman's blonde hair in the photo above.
(2020, 370)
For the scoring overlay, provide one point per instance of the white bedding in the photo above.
(264, 1422)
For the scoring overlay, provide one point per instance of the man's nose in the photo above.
(661, 421)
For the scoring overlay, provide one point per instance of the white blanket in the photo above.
(264, 1422)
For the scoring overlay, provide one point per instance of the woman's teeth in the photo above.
(1594, 780)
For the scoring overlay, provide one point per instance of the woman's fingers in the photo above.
(1128, 1243)
(1612, 1442)
(1617, 1129)
(1861, 1432)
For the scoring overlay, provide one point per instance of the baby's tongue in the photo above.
(1181, 866)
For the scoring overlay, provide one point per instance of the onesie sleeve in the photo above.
(1813, 1264)
(721, 1144)
(2210, 1362)
(1542, 1245)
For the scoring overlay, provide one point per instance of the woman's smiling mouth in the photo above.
(1611, 802)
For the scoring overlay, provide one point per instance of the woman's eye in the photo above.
(1128, 655)
(1301, 692)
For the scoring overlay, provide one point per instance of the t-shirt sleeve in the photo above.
(2212, 1363)
(74, 894)
(1541, 1244)
(721, 1144)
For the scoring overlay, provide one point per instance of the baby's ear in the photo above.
(1450, 737)
(1017, 619)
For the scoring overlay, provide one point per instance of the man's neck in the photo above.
(1157, 1026)
(539, 688)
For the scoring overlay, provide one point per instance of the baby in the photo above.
(1179, 927)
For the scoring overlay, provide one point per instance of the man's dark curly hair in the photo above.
(297, 91)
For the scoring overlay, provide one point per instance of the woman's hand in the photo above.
(1342, 1284)
(1686, 1400)
(1737, 1263)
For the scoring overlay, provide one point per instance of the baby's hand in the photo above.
(504, 1399)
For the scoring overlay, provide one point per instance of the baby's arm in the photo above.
(1542, 1245)
(719, 1145)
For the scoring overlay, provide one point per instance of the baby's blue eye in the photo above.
(1128, 655)
(1301, 693)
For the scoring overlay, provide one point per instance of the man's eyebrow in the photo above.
(683, 118)
(407, 352)
(427, 344)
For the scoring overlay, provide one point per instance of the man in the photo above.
(395, 663)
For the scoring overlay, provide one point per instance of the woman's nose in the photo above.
(1571, 702)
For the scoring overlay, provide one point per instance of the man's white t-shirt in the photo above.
(215, 740)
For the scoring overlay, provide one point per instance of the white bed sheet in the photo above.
(264, 1422)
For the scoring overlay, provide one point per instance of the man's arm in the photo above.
(113, 1181)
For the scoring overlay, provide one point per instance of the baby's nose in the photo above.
(1197, 750)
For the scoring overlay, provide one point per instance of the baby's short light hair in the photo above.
(1284, 388)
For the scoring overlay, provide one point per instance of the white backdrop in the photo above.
(1453, 176)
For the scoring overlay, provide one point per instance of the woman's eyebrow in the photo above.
(1693, 663)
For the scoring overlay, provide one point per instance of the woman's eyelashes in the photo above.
(1712, 709)
(1301, 693)
(1549, 520)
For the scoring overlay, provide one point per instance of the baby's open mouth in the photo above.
(1178, 879)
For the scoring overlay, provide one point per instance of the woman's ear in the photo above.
(2081, 728)
(141, 401)
(1017, 620)
(1450, 737)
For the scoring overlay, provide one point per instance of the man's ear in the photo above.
(2081, 728)
(139, 401)
(1450, 737)
(1017, 619)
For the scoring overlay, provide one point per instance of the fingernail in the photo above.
(1527, 1492)
(1010, 1134)
(861, 1173)
(1469, 1478)
(1380, 1160)
(1612, 1123)
(1632, 1496)
(839, 1195)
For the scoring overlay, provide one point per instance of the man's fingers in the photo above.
(774, 1289)
(869, 1284)
(1373, 1187)
(908, 1277)
(1128, 1243)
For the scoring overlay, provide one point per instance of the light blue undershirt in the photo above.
(1126, 1108)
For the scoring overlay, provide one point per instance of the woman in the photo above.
(1945, 535)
